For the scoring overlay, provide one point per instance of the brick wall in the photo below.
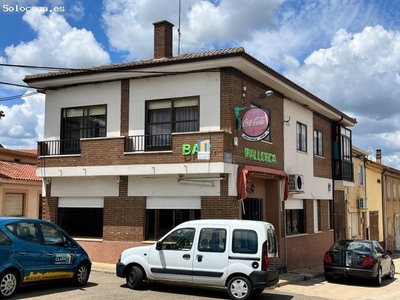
(323, 165)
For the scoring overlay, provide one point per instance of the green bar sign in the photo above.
(260, 155)
(188, 149)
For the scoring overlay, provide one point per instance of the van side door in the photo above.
(210, 263)
(174, 260)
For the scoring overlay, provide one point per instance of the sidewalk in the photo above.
(284, 279)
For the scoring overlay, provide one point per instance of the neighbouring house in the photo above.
(130, 150)
(20, 187)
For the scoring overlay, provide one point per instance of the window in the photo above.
(360, 173)
(14, 205)
(160, 221)
(81, 221)
(294, 221)
(25, 231)
(166, 116)
(318, 143)
(301, 137)
(212, 240)
(394, 192)
(317, 216)
(245, 241)
(4, 239)
(180, 239)
(268, 111)
(345, 136)
(81, 122)
(388, 191)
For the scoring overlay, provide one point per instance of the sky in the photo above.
(346, 52)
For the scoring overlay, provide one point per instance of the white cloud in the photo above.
(57, 44)
(23, 124)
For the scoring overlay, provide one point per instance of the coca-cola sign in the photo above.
(255, 124)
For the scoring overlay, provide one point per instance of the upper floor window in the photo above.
(394, 192)
(301, 137)
(318, 143)
(83, 122)
(345, 136)
(360, 175)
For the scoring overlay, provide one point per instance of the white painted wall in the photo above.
(205, 85)
(85, 95)
(297, 162)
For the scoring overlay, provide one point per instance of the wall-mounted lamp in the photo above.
(120, 179)
(48, 180)
(263, 95)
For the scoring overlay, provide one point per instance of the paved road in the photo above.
(108, 286)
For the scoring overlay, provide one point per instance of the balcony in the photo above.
(136, 143)
(343, 170)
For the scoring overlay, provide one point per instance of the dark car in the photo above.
(358, 258)
(35, 251)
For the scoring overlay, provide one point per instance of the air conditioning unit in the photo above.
(362, 203)
(296, 183)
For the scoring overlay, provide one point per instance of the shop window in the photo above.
(14, 205)
(294, 221)
(301, 134)
(81, 222)
(160, 221)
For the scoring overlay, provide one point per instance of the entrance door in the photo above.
(397, 232)
(339, 210)
(373, 225)
(252, 209)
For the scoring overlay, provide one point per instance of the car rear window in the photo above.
(352, 245)
(4, 239)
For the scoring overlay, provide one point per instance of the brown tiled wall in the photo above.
(125, 107)
(50, 207)
(309, 216)
(323, 165)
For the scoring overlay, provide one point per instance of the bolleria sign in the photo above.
(255, 124)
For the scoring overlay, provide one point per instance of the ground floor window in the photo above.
(81, 221)
(14, 205)
(160, 221)
(294, 221)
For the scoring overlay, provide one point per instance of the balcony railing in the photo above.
(158, 142)
(59, 147)
(345, 171)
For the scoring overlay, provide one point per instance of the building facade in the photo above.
(133, 149)
(20, 188)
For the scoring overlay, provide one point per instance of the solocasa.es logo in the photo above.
(255, 124)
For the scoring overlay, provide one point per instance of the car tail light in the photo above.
(368, 261)
(265, 262)
(328, 259)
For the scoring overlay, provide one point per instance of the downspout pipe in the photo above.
(383, 180)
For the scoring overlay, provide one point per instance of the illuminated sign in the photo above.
(202, 148)
(260, 155)
(255, 124)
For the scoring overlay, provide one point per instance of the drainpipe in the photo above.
(383, 180)
(367, 233)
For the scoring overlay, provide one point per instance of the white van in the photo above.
(238, 254)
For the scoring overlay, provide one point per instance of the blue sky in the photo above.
(347, 52)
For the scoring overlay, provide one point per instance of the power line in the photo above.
(9, 98)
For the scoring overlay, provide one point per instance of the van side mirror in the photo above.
(158, 245)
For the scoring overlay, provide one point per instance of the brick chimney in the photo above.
(162, 39)
(378, 156)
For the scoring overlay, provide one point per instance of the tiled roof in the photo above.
(19, 171)
(140, 63)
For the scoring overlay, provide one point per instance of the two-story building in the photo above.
(132, 149)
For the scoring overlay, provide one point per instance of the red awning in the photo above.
(244, 170)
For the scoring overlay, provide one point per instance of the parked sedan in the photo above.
(358, 258)
(34, 251)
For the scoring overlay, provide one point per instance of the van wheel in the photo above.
(240, 287)
(81, 275)
(135, 278)
(8, 284)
